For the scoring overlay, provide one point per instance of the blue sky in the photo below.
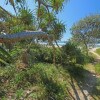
(73, 11)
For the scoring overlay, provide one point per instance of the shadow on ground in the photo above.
(83, 83)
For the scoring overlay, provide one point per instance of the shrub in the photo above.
(71, 54)
(45, 54)
(88, 59)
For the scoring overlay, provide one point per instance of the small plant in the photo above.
(19, 93)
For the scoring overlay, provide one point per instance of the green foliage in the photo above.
(69, 54)
(16, 51)
(54, 87)
(19, 93)
(54, 5)
(26, 16)
(4, 56)
(88, 59)
(97, 68)
(23, 21)
(86, 31)
(51, 25)
(57, 29)
(47, 20)
(72, 54)
(47, 80)
(45, 54)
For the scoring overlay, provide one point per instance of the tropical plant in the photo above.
(55, 5)
(24, 18)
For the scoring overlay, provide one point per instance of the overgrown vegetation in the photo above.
(40, 81)
(47, 80)
(97, 68)
(32, 71)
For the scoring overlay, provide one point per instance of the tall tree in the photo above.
(46, 9)
(55, 5)
(86, 31)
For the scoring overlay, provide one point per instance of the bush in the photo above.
(88, 59)
(71, 54)
(97, 68)
(45, 54)
(52, 80)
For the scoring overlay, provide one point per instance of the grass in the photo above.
(97, 68)
(98, 51)
(41, 81)
(96, 90)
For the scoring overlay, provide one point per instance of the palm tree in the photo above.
(58, 28)
(5, 58)
(55, 6)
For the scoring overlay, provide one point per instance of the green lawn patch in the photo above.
(98, 51)
(97, 68)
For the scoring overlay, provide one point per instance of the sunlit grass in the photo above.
(98, 51)
(97, 68)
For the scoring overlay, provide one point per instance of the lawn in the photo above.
(98, 51)
(97, 68)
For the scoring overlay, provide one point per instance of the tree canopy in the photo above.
(87, 30)
(44, 17)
